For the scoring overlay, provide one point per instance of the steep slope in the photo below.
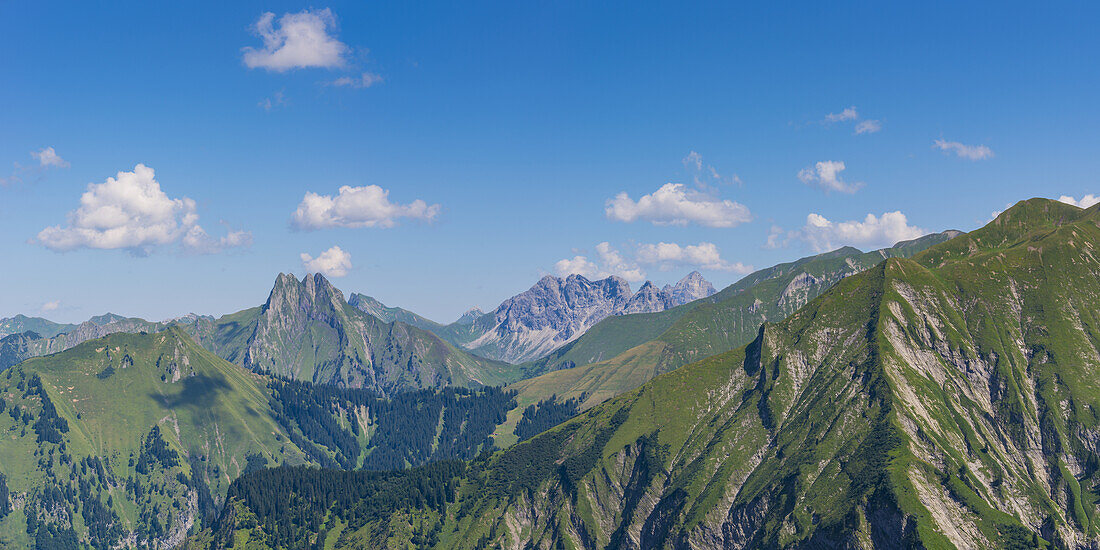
(622, 352)
(306, 331)
(21, 323)
(132, 437)
(947, 401)
(371, 306)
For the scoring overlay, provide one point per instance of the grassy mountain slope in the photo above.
(84, 433)
(368, 304)
(134, 438)
(945, 401)
(700, 329)
(16, 348)
(44, 327)
(767, 294)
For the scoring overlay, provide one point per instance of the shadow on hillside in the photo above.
(198, 391)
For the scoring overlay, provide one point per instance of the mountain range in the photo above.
(938, 393)
(947, 400)
(551, 313)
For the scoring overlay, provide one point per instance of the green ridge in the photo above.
(944, 401)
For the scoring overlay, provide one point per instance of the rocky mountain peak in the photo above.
(470, 316)
(312, 292)
(692, 287)
(648, 299)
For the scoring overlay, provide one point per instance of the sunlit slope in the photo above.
(949, 401)
(703, 328)
(109, 395)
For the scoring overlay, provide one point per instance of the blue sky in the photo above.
(517, 125)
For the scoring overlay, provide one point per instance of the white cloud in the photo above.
(826, 175)
(579, 265)
(615, 263)
(367, 80)
(823, 235)
(777, 238)
(48, 158)
(970, 152)
(1084, 202)
(701, 256)
(367, 206)
(868, 126)
(673, 204)
(611, 262)
(130, 211)
(847, 114)
(333, 262)
(51, 306)
(302, 40)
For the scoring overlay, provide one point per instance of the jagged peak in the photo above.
(469, 316)
(693, 276)
(314, 287)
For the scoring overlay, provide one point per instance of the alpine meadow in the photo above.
(549, 276)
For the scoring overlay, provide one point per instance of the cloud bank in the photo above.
(823, 235)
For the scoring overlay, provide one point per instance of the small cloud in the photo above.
(1084, 202)
(367, 206)
(611, 262)
(51, 306)
(823, 235)
(970, 152)
(278, 99)
(705, 175)
(703, 256)
(777, 238)
(131, 212)
(197, 241)
(826, 175)
(847, 114)
(366, 80)
(868, 127)
(673, 204)
(578, 265)
(301, 40)
(48, 158)
(333, 262)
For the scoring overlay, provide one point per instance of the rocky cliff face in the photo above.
(307, 331)
(556, 311)
(690, 288)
